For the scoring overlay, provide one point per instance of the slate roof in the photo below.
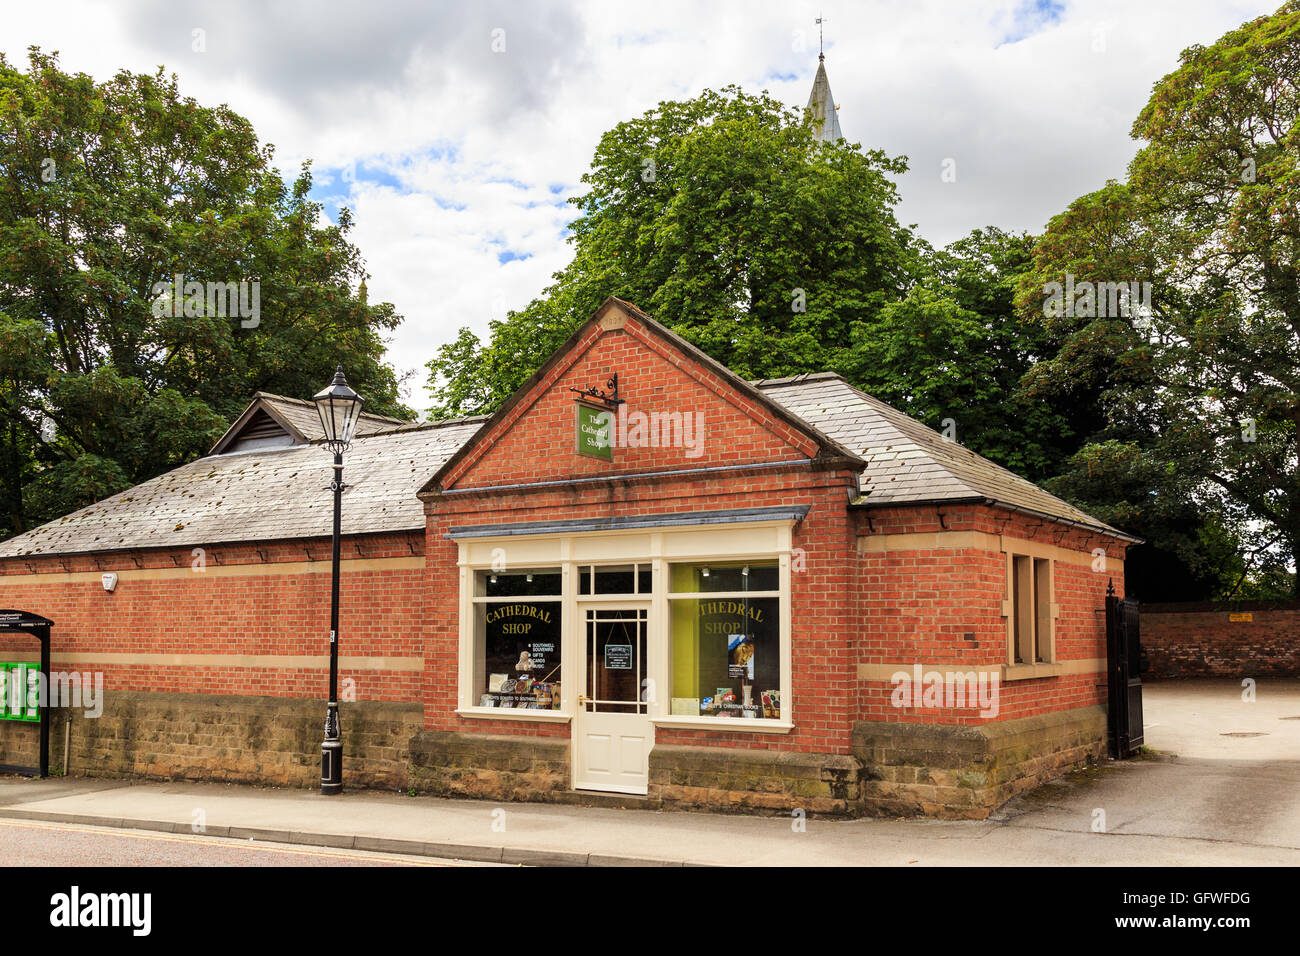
(268, 494)
(279, 493)
(907, 462)
(301, 418)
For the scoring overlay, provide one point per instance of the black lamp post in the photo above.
(338, 407)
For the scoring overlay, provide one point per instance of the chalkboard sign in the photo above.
(618, 657)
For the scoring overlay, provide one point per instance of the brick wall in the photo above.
(1203, 640)
(535, 440)
(253, 621)
(943, 606)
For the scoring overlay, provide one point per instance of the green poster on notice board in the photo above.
(14, 692)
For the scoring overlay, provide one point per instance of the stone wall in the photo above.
(20, 744)
(955, 770)
(946, 770)
(244, 739)
(897, 769)
(500, 767)
(1227, 639)
(749, 781)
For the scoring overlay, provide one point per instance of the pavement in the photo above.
(1221, 787)
(29, 843)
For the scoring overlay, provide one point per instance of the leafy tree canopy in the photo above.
(725, 219)
(107, 190)
(1201, 372)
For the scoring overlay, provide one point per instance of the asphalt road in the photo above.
(64, 844)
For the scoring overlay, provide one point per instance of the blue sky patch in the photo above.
(1030, 17)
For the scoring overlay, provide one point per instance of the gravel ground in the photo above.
(62, 844)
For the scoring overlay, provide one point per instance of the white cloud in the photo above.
(456, 149)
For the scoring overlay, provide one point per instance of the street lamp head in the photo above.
(338, 407)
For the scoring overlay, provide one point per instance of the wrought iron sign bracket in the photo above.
(609, 398)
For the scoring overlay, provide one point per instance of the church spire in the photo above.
(826, 122)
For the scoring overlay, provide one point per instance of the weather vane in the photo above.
(821, 51)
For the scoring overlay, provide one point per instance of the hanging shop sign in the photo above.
(593, 427)
(594, 422)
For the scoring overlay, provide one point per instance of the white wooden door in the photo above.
(613, 733)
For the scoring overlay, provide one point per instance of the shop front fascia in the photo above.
(645, 640)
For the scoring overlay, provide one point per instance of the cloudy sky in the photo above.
(455, 131)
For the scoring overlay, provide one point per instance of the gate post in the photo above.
(1114, 666)
(44, 637)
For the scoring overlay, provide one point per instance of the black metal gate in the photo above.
(1124, 675)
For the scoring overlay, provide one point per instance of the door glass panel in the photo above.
(616, 661)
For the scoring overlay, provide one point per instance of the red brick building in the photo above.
(642, 575)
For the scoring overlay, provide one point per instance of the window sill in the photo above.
(511, 713)
(757, 725)
(1030, 671)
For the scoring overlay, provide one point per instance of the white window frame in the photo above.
(762, 541)
(469, 659)
(782, 594)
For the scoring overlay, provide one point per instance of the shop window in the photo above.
(614, 579)
(1031, 609)
(495, 584)
(725, 643)
(516, 653)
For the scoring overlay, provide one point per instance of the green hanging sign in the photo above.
(593, 432)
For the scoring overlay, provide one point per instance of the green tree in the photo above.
(106, 190)
(953, 352)
(725, 219)
(1202, 373)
